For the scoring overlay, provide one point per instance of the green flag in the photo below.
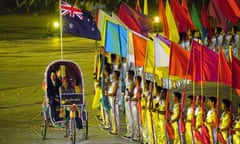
(196, 20)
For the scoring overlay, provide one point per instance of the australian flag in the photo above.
(78, 22)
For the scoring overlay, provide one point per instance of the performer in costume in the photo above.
(225, 120)
(105, 107)
(144, 100)
(219, 33)
(161, 122)
(123, 71)
(198, 116)
(175, 114)
(211, 119)
(227, 41)
(235, 41)
(136, 110)
(188, 121)
(150, 122)
(128, 95)
(155, 101)
(236, 127)
(212, 42)
(114, 92)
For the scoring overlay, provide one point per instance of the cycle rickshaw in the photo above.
(68, 111)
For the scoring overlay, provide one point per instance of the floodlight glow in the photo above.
(156, 19)
(56, 24)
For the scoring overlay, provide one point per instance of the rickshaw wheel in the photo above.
(73, 131)
(44, 125)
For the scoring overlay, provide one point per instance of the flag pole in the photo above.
(61, 29)
(95, 58)
(218, 85)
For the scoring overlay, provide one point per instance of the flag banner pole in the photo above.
(95, 58)
(154, 81)
(61, 29)
(218, 85)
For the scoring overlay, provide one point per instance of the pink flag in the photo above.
(203, 65)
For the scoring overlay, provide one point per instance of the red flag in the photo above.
(205, 135)
(182, 17)
(179, 59)
(198, 135)
(184, 5)
(135, 20)
(205, 21)
(170, 131)
(227, 10)
(203, 63)
(204, 18)
(182, 126)
(140, 45)
(169, 127)
(235, 72)
(225, 73)
(137, 7)
(216, 13)
(220, 138)
(163, 19)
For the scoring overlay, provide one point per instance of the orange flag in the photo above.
(163, 19)
(235, 7)
(139, 44)
(179, 59)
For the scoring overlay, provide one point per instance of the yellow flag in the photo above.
(173, 31)
(149, 63)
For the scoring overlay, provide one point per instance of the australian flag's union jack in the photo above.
(78, 22)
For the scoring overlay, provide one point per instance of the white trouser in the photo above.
(114, 114)
(136, 121)
(128, 118)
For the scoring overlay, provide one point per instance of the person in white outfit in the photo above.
(114, 92)
(235, 41)
(136, 109)
(127, 97)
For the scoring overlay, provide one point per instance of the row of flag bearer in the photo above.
(155, 115)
